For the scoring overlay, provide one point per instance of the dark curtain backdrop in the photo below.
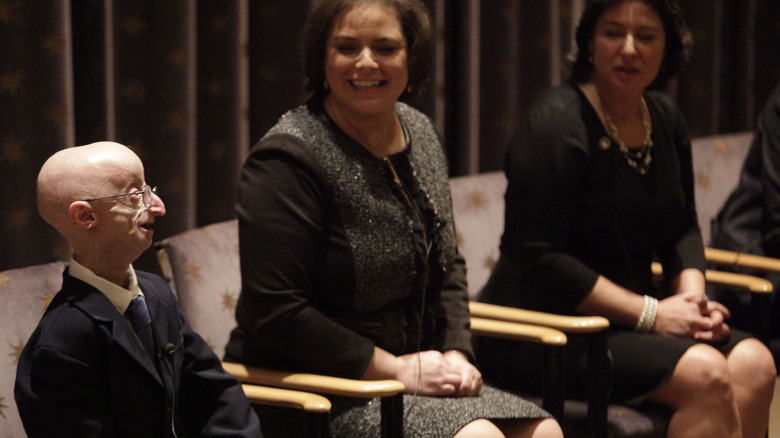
(192, 84)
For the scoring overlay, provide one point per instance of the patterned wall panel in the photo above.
(223, 105)
(192, 84)
(36, 119)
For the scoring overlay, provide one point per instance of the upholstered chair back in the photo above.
(717, 162)
(478, 200)
(478, 209)
(202, 267)
(26, 292)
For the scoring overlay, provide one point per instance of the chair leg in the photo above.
(762, 306)
(554, 382)
(599, 378)
(319, 425)
(393, 416)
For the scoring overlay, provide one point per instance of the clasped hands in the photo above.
(691, 314)
(444, 374)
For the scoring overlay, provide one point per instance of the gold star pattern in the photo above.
(176, 184)
(134, 25)
(54, 44)
(720, 147)
(17, 218)
(477, 200)
(268, 73)
(11, 81)
(3, 407)
(11, 150)
(218, 24)
(8, 14)
(58, 114)
(17, 351)
(268, 13)
(46, 299)
(703, 181)
(4, 280)
(177, 121)
(489, 262)
(228, 301)
(217, 150)
(207, 232)
(178, 58)
(135, 91)
(193, 271)
(215, 88)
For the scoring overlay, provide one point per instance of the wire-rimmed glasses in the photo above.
(146, 195)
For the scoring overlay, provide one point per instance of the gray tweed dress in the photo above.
(375, 263)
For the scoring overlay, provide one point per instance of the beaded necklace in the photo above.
(639, 160)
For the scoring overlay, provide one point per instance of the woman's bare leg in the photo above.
(700, 394)
(753, 374)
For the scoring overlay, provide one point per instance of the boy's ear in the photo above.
(81, 214)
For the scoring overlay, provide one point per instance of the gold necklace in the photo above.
(640, 159)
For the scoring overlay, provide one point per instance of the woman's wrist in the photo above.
(646, 320)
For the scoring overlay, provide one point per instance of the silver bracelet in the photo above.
(647, 318)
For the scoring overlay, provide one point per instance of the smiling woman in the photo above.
(366, 71)
(347, 241)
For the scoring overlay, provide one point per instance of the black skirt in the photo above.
(641, 363)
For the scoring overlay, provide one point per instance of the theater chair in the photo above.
(478, 207)
(202, 265)
(28, 291)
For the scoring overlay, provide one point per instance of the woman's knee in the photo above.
(701, 370)
(479, 428)
(751, 364)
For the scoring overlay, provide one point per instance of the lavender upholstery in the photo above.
(202, 267)
(717, 161)
(26, 292)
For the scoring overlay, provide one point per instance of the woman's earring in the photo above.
(325, 85)
(409, 89)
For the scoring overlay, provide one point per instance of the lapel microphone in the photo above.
(167, 351)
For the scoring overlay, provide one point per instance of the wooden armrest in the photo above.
(286, 398)
(731, 280)
(741, 260)
(566, 324)
(515, 331)
(314, 382)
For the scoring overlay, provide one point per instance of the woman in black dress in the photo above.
(600, 185)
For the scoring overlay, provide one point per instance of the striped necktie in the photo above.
(142, 323)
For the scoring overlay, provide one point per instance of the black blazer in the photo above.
(84, 373)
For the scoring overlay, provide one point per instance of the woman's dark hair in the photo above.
(416, 26)
(678, 39)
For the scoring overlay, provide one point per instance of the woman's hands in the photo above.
(442, 374)
(449, 373)
(690, 314)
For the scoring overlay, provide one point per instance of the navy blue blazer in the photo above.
(84, 373)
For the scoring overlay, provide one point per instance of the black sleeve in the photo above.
(768, 135)
(282, 205)
(685, 249)
(546, 166)
(455, 316)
